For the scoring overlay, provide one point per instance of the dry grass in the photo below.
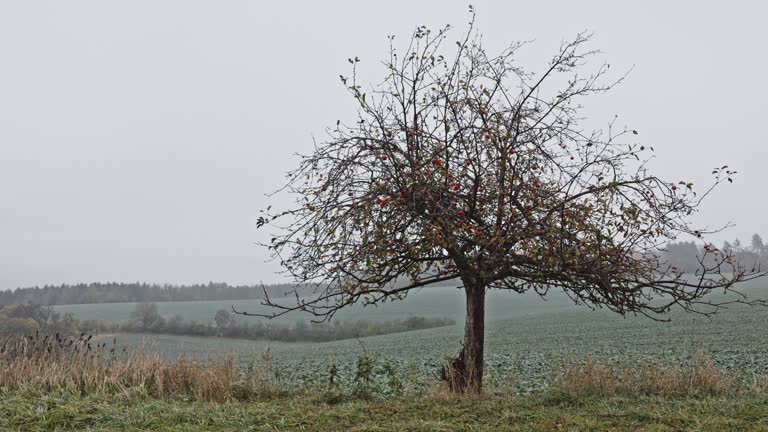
(76, 366)
(647, 378)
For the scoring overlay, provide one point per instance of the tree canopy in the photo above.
(461, 165)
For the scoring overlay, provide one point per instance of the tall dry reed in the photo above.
(591, 376)
(77, 365)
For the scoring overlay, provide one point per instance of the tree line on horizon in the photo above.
(121, 292)
(683, 256)
(687, 256)
(20, 320)
(145, 318)
(140, 292)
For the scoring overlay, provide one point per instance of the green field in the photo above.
(428, 302)
(525, 337)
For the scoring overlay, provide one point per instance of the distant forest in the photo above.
(112, 292)
(682, 255)
(685, 255)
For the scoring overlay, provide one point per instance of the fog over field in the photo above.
(383, 215)
(137, 139)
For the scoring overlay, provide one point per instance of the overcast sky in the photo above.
(137, 139)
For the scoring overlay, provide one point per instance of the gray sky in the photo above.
(137, 139)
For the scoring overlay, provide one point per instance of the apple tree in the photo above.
(461, 165)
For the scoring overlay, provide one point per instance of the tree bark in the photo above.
(468, 367)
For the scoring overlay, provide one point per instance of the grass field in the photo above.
(525, 338)
(428, 302)
(25, 413)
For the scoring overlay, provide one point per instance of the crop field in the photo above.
(525, 338)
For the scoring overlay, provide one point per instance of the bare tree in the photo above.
(222, 319)
(145, 315)
(466, 167)
(758, 247)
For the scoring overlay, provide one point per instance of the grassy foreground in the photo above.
(548, 412)
(69, 384)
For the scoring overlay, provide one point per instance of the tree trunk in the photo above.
(465, 374)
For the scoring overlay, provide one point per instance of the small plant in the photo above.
(332, 393)
(363, 384)
(332, 374)
(395, 385)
